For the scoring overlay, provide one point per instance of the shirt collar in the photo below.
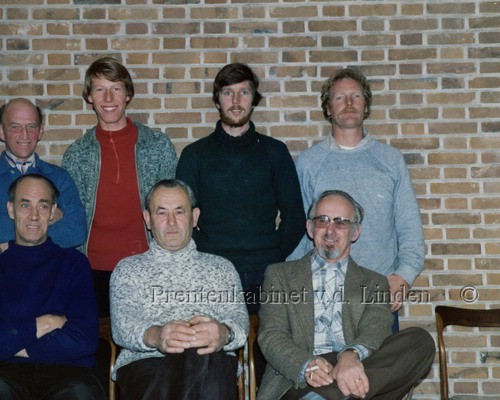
(318, 263)
(16, 162)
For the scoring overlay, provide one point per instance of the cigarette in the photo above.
(314, 368)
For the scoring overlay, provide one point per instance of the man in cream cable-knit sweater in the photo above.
(177, 313)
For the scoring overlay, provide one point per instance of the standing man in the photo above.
(178, 314)
(114, 165)
(326, 327)
(48, 314)
(375, 174)
(243, 182)
(21, 128)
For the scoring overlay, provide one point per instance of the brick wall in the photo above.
(433, 66)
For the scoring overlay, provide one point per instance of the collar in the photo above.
(21, 165)
(332, 143)
(128, 133)
(161, 253)
(225, 140)
(318, 263)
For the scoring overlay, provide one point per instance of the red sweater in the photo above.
(118, 227)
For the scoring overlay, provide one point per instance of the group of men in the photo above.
(177, 252)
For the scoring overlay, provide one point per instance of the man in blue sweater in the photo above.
(375, 174)
(21, 128)
(48, 315)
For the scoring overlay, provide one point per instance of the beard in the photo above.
(227, 120)
(328, 253)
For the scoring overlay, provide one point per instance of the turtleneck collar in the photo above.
(235, 142)
(30, 255)
(181, 254)
(129, 132)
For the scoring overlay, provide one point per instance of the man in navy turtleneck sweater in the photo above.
(244, 182)
(48, 315)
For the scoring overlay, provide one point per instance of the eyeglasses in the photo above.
(323, 221)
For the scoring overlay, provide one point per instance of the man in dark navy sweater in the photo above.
(48, 315)
(244, 182)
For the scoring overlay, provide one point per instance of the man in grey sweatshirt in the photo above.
(375, 174)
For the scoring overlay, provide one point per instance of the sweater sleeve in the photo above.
(15, 337)
(168, 164)
(129, 321)
(71, 230)
(78, 338)
(288, 196)
(187, 170)
(409, 230)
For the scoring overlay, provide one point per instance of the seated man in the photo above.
(48, 315)
(177, 313)
(325, 328)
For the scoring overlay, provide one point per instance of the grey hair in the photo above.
(170, 184)
(359, 213)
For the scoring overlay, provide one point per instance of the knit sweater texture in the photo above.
(47, 279)
(376, 175)
(155, 159)
(70, 231)
(241, 184)
(160, 286)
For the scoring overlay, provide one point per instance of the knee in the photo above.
(7, 392)
(422, 340)
(80, 390)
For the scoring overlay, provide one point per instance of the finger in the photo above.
(322, 378)
(198, 319)
(323, 365)
(318, 378)
(174, 346)
(206, 350)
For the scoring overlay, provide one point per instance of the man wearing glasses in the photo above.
(350, 159)
(335, 341)
(21, 128)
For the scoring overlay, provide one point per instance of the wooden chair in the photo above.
(445, 316)
(241, 379)
(252, 338)
(105, 334)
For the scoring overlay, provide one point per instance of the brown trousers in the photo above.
(392, 370)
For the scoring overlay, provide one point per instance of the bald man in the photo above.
(21, 128)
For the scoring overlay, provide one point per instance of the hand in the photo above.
(22, 353)
(47, 323)
(56, 215)
(173, 337)
(3, 247)
(399, 289)
(350, 375)
(210, 335)
(318, 372)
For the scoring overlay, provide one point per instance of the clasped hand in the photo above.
(204, 333)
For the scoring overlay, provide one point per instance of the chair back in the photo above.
(446, 316)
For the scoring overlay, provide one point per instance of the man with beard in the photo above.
(326, 333)
(375, 174)
(243, 182)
